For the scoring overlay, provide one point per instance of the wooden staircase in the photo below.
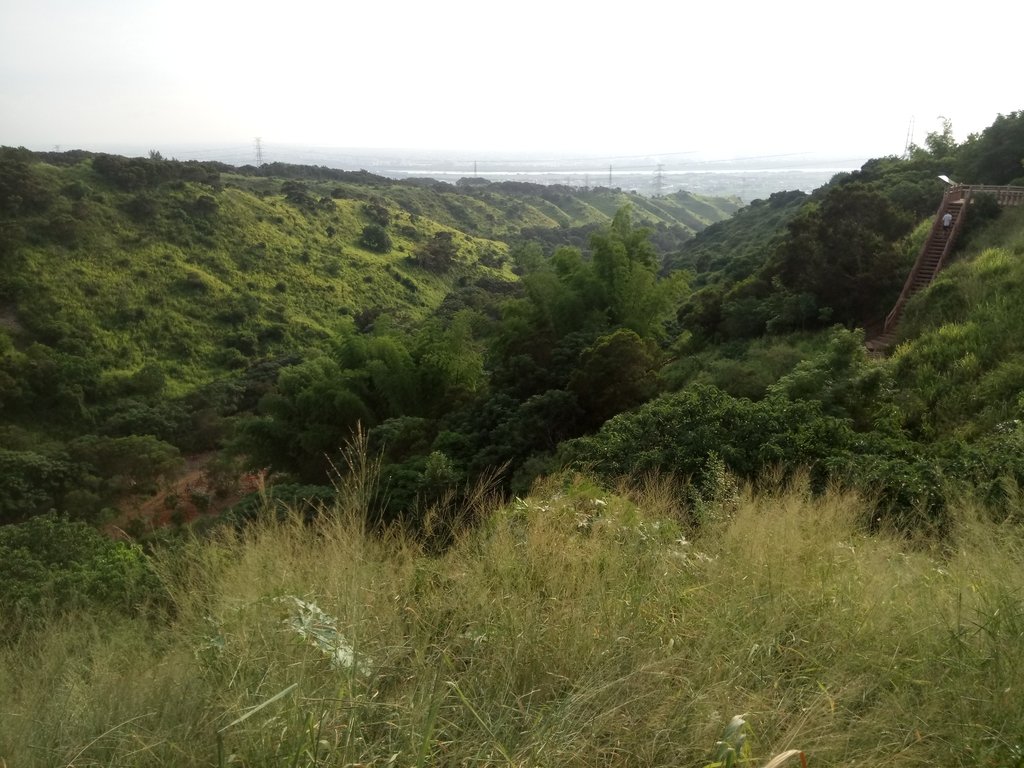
(935, 252)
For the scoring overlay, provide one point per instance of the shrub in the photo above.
(375, 238)
(31, 483)
(20, 189)
(50, 563)
(439, 253)
(681, 434)
(377, 212)
(141, 208)
(64, 229)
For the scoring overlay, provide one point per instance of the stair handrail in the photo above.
(1004, 195)
(951, 195)
(954, 231)
(958, 193)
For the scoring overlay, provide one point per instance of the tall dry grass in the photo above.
(574, 628)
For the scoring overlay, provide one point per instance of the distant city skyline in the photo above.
(717, 81)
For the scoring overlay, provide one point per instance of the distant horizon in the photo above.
(744, 177)
(908, 133)
(240, 153)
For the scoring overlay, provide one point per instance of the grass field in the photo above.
(577, 627)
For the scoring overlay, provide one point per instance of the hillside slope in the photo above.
(146, 303)
(201, 269)
(153, 307)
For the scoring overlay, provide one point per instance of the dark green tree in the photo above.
(49, 563)
(617, 373)
(996, 156)
(626, 264)
(845, 382)
(21, 190)
(844, 252)
(375, 238)
(304, 423)
(377, 212)
(439, 253)
(681, 433)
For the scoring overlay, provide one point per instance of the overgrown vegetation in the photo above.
(146, 305)
(823, 540)
(574, 627)
(270, 319)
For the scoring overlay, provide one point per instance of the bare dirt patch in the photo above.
(191, 495)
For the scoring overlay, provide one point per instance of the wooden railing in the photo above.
(1003, 195)
(958, 194)
(955, 196)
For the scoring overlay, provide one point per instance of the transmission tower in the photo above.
(910, 137)
(658, 180)
(609, 177)
(259, 151)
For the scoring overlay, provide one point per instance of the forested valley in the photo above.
(154, 310)
(508, 474)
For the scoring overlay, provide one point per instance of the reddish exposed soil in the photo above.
(189, 496)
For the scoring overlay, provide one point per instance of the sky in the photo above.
(714, 80)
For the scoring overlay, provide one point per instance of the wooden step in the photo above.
(926, 269)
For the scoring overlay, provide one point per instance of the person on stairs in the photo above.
(947, 222)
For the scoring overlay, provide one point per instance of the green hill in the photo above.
(143, 298)
(546, 505)
(199, 267)
(840, 255)
(961, 365)
(153, 308)
(940, 418)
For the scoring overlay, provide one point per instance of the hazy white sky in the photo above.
(716, 77)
